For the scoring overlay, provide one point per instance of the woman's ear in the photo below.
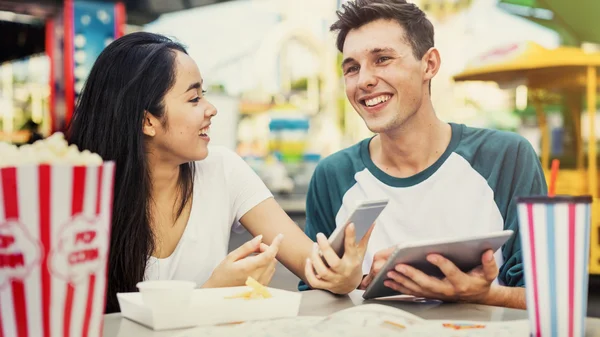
(148, 127)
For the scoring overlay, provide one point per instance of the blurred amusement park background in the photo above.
(527, 66)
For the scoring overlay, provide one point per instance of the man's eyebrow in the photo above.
(376, 50)
(347, 60)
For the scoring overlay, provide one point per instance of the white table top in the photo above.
(320, 303)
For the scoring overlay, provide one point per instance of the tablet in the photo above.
(464, 252)
(363, 216)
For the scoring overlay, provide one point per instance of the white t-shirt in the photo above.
(225, 188)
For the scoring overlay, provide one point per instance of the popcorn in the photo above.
(55, 220)
(52, 150)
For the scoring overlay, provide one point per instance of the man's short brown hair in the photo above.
(355, 14)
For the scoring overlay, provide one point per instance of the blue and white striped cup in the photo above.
(555, 241)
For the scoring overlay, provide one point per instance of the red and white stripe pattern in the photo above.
(555, 244)
(54, 239)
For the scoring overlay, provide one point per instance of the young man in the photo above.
(443, 180)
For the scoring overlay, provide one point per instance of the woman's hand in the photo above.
(326, 270)
(235, 269)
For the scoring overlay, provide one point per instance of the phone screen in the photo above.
(363, 218)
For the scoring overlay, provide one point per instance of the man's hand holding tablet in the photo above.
(427, 269)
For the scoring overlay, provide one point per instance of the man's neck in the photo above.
(411, 149)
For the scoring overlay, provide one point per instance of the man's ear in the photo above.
(431, 63)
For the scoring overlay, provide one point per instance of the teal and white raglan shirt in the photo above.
(471, 189)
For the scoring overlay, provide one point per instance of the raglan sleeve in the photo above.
(527, 180)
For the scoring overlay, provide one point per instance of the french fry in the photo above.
(394, 324)
(258, 291)
(258, 288)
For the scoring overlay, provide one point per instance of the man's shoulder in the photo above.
(486, 135)
(483, 141)
(495, 154)
(348, 159)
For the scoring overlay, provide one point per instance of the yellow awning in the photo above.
(533, 64)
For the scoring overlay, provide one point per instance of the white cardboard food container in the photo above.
(211, 307)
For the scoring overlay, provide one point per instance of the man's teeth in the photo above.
(205, 131)
(377, 100)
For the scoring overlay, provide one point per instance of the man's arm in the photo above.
(510, 297)
(527, 179)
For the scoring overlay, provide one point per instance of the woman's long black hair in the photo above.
(131, 76)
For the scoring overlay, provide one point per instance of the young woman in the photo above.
(176, 199)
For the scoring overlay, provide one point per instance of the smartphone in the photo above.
(363, 216)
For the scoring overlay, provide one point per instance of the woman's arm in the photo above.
(315, 263)
(269, 219)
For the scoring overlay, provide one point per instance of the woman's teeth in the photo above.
(204, 131)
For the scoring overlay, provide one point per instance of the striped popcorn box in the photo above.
(555, 240)
(54, 242)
